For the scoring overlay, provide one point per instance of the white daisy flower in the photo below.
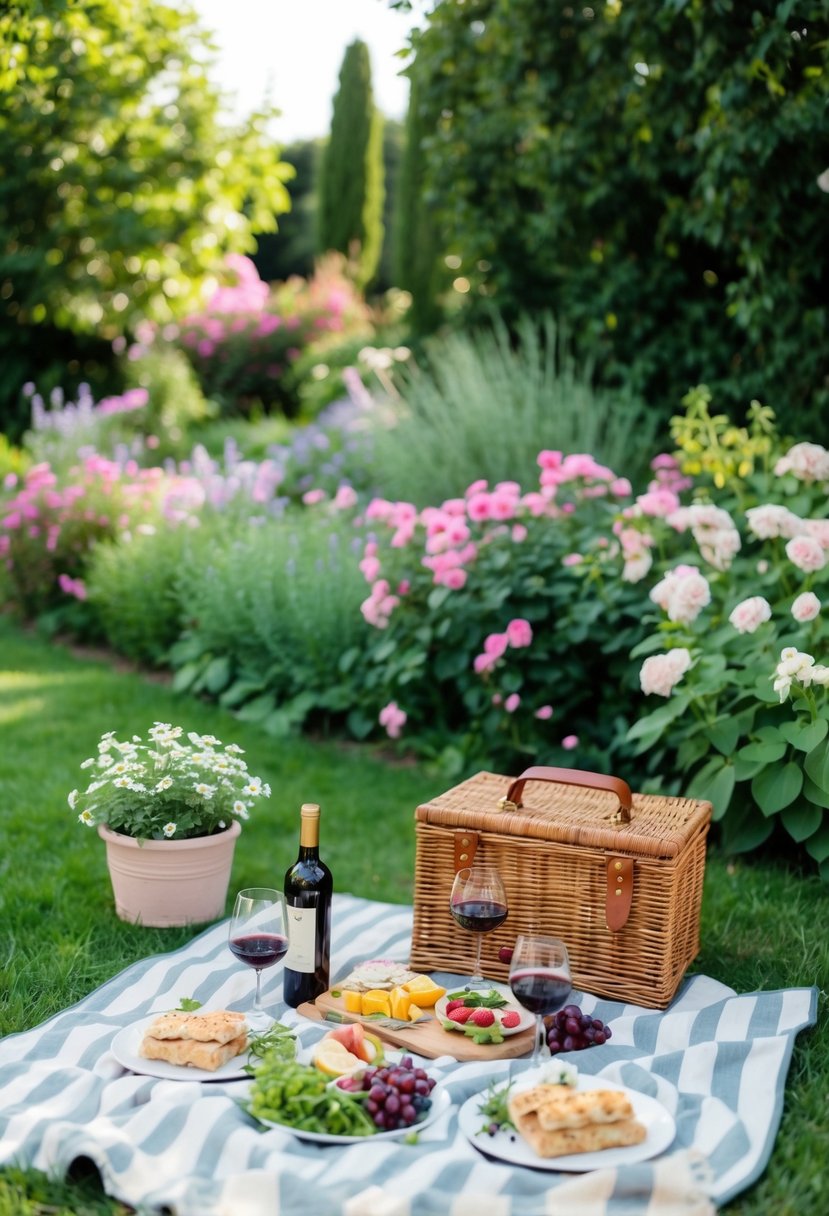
(211, 741)
(266, 790)
(169, 829)
(87, 818)
(234, 749)
(105, 761)
(73, 799)
(204, 790)
(123, 783)
(163, 784)
(88, 763)
(254, 786)
(120, 767)
(239, 807)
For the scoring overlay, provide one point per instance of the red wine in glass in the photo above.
(259, 950)
(478, 903)
(258, 936)
(539, 977)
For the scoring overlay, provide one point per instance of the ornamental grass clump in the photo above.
(165, 789)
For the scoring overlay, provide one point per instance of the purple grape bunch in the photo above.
(398, 1094)
(572, 1030)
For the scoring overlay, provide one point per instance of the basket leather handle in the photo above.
(573, 776)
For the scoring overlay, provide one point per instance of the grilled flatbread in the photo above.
(192, 1052)
(555, 1120)
(219, 1027)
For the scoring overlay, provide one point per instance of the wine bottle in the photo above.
(308, 889)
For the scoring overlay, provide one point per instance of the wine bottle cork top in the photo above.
(309, 810)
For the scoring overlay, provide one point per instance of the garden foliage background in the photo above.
(557, 493)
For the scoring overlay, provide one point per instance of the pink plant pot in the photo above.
(161, 883)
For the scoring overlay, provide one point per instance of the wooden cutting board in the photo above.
(425, 1038)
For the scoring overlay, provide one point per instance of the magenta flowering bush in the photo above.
(495, 617)
(50, 524)
(244, 342)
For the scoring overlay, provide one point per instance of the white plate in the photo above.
(512, 1005)
(126, 1044)
(440, 1104)
(658, 1122)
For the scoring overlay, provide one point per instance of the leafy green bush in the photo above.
(483, 406)
(133, 584)
(176, 405)
(270, 612)
(654, 173)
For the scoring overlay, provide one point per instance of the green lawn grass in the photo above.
(764, 924)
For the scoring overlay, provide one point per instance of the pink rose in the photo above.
(661, 672)
(750, 614)
(569, 742)
(519, 633)
(512, 702)
(544, 712)
(393, 719)
(806, 553)
(806, 607)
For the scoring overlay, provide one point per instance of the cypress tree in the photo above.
(416, 245)
(351, 188)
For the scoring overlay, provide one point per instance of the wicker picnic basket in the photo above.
(617, 876)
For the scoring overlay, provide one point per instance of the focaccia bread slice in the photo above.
(589, 1139)
(221, 1026)
(192, 1052)
(579, 1109)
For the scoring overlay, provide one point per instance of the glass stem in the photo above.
(539, 1030)
(257, 1000)
(478, 978)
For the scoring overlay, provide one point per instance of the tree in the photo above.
(351, 187)
(652, 172)
(416, 244)
(290, 250)
(120, 187)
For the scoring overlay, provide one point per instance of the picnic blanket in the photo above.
(717, 1060)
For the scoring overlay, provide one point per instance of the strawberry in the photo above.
(450, 1005)
(461, 1014)
(510, 1019)
(482, 1017)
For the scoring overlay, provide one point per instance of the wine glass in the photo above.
(258, 936)
(478, 902)
(539, 977)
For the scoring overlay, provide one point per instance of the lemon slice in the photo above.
(335, 1060)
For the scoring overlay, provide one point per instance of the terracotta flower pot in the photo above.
(170, 882)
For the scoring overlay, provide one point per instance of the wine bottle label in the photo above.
(302, 937)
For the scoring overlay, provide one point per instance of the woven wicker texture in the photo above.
(553, 856)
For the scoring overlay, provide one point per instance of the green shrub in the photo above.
(483, 407)
(176, 404)
(133, 584)
(271, 610)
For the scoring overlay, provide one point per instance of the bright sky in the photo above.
(290, 52)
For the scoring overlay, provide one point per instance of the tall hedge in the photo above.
(351, 186)
(652, 170)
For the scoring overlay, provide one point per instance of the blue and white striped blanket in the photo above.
(718, 1061)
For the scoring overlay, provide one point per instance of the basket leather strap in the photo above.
(466, 846)
(572, 776)
(619, 892)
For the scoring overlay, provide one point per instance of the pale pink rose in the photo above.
(311, 497)
(483, 663)
(682, 594)
(544, 712)
(518, 533)
(403, 535)
(620, 487)
(569, 742)
(496, 644)
(379, 508)
(769, 521)
(635, 568)
(345, 498)
(502, 505)
(660, 503)
(806, 607)
(549, 460)
(572, 559)
(404, 587)
(806, 553)
(512, 702)
(819, 529)
(806, 461)
(477, 487)
(519, 632)
(478, 507)
(750, 614)
(660, 673)
(393, 719)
